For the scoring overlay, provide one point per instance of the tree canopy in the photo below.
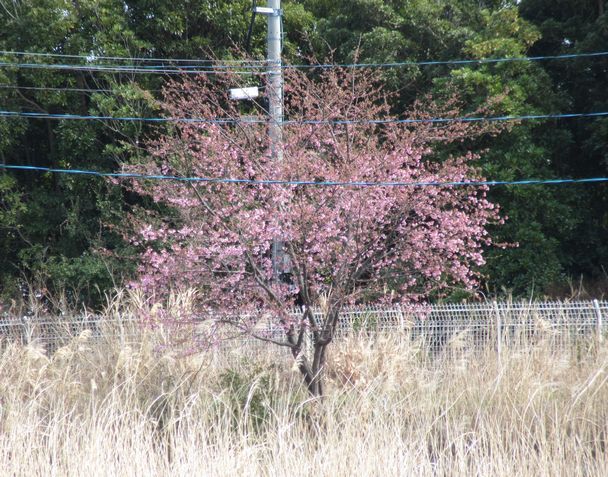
(341, 245)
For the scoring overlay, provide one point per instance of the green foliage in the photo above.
(571, 27)
(52, 227)
(541, 220)
(11, 209)
(250, 394)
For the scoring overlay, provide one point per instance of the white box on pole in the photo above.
(244, 93)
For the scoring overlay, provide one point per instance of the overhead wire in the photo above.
(79, 90)
(190, 69)
(245, 66)
(261, 182)
(93, 57)
(146, 69)
(398, 64)
(251, 23)
(66, 89)
(214, 65)
(43, 115)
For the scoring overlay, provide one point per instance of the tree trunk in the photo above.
(318, 363)
(312, 372)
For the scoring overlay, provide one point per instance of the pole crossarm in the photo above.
(270, 11)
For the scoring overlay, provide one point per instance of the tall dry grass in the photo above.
(108, 408)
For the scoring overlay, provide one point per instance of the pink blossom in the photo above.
(344, 244)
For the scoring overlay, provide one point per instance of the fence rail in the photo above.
(453, 328)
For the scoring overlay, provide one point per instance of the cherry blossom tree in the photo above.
(341, 244)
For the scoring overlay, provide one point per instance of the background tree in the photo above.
(63, 222)
(581, 149)
(343, 245)
(540, 218)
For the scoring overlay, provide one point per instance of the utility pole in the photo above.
(275, 107)
(275, 80)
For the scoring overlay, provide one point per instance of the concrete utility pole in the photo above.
(275, 79)
(275, 107)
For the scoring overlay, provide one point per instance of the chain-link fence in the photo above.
(479, 325)
(437, 329)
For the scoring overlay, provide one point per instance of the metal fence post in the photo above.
(498, 329)
(308, 339)
(598, 320)
(27, 330)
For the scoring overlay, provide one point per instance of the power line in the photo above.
(80, 90)
(398, 64)
(449, 120)
(223, 180)
(93, 57)
(72, 90)
(36, 115)
(39, 115)
(187, 70)
(213, 65)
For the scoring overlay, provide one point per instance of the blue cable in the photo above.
(35, 115)
(144, 69)
(92, 57)
(398, 64)
(132, 175)
(449, 120)
(263, 64)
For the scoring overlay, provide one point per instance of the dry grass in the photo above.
(106, 408)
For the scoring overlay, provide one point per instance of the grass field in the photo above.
(105, 408)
